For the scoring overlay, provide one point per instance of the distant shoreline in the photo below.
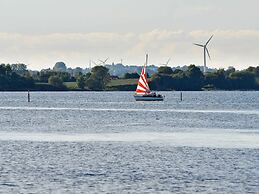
(99, 79)
(78, 90)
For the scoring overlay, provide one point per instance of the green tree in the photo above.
(94, 83)
(98, 79)
(131, 76)
(166, 79)
(19, 68)
(229, 71)
(45, 74)
(218, 79)
(81, 82)
(65, 76)
(161, 82)
(178, 71)
(165, 70)
(243, 80)
(254, 70)
(195, 78)
(55, 81)
(9, 80)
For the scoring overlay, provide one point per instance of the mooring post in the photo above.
(181, 96)
(29, 98)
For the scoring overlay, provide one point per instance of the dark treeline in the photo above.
(10, 79)
(97, 79)
(18, 77)
(194, 79)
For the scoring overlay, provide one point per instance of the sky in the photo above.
(41, 32)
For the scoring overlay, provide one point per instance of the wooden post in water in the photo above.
(181, 96)
(29, 98)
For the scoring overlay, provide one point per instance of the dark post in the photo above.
(29, 98)
(181, 96)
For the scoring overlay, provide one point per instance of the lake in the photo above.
(105, 142)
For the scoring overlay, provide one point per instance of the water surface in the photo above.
(73, 142)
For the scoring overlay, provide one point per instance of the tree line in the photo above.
(10, 79)
(194, 79)
(18, 77)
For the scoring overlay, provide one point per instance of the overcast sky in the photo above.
(42, 32)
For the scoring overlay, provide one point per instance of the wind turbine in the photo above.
(103, 62)
(206, 52)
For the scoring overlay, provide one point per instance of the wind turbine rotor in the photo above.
(209, 40)
(199, 45)
(103, 62)
(207, 51)
(168, 61)
(94, 62)
(106, 60)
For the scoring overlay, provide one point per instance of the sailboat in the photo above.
(143, 92)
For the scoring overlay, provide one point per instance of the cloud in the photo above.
(228, 47)
(227, 33)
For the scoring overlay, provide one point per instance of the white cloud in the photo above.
(228, 47)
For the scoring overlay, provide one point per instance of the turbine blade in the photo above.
(207, 52)
(168, 61)
(209, 40)
(94, 62)
(106, 60)
(199, 45)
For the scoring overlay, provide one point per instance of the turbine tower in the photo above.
(205, 52)
(90, 65)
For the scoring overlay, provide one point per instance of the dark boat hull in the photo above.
(148, 98)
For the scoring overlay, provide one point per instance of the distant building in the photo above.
(120, 70)
(60, 66)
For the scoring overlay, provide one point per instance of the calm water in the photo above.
(92, 142)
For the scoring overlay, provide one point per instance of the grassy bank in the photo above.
(122, 85)
(122, 82)
(113, 85)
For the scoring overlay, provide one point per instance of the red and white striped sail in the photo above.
(143, 87)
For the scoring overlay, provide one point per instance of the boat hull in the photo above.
(148, 98)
